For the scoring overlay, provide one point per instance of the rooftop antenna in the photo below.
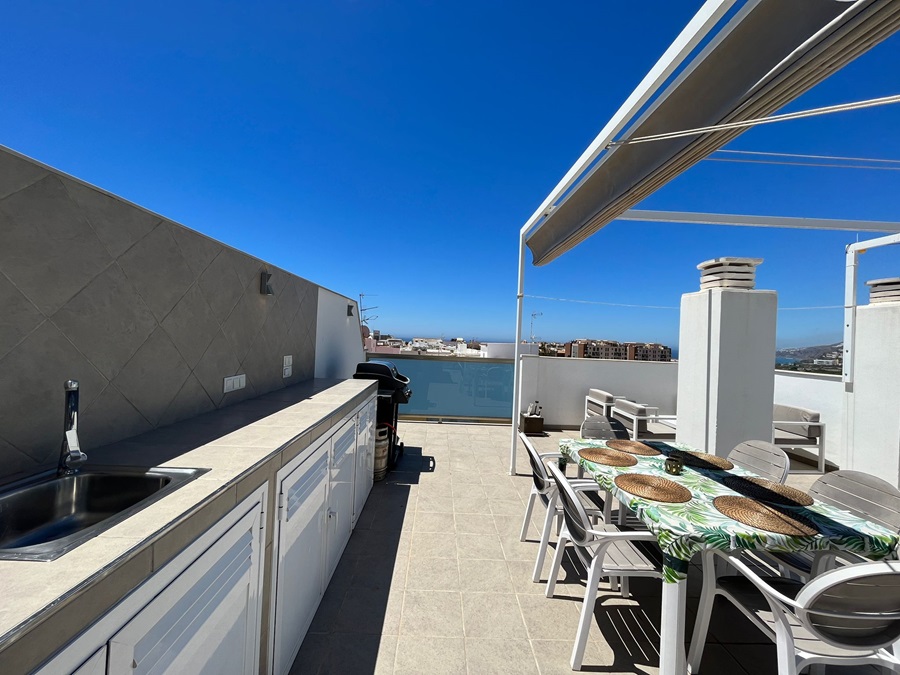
(363, 317)
(533, 315)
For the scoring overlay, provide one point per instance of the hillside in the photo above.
(806, 353)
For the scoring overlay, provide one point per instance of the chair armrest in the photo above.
(760, 583)
(633, 535)
(555, 455)
(586, 485)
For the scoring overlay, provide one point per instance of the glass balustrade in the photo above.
(455, 387)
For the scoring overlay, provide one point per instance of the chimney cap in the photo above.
(879, 282)
(739, 262)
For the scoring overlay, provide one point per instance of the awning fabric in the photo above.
(761, 60)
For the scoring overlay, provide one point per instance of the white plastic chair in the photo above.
(848, 616)
(859, 493)
(544, 489)
(762, 458)
(605, 551)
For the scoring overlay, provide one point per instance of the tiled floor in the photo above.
(435, 580)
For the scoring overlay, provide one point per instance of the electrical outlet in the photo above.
(287, 371)
(234, 383)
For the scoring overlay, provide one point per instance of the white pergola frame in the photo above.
(672, 658)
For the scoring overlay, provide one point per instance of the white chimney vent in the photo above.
(884, 290)
(728, 273)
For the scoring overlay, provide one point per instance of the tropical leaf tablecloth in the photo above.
(684, 529)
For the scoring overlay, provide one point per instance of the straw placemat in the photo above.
(657, 488)
(701, 460)
(756, 514)
(632, 447)
(607, 457)
(768, 491)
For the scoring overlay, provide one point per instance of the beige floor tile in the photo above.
(433, 522)
(431, 504)
(492, 615)
(520, 572)
(431, 614)
(549, 618)
(472, 491)
(384, 572)
(507, 507)
(513, 549)
(359, 654)
(314, 652)
(479, 546)
(500, 657)
(465, 474)
(475, 523)
(553, 658)
(755, 659)
(436, 488)
(484, 575)
(440, 656)
(327, 613)
(432, 545)
(510, 526)
(506, 491)
(461, 505)
(433, 574)
(370, 611)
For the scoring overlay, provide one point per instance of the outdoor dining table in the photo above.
(695, 522)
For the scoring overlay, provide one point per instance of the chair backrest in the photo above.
(792, 413)
(539, 475)
(603, 428)
(762, 458)
(577, 521)
(855, 607)
(862, 494)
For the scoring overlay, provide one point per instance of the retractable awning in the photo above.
(767, 54)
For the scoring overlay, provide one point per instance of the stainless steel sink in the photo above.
(44, 519)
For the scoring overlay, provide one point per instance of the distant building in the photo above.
(649, 351)
(610, 349)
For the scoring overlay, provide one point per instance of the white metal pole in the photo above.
(850, 278)
(850, 300)
(517, 359)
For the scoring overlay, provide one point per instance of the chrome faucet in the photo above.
(70, 455)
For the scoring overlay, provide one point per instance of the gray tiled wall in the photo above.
(148, 315)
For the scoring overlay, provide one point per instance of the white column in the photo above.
(726, 368)
(875, 408)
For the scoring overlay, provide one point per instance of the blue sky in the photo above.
(397, 148)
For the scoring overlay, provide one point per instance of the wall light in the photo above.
(265, 288)
(349, 309)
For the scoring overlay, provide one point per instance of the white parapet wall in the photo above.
(873, 404)
(338, 339)
(825, 395)
(560, 384)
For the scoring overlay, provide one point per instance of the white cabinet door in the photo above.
(300, 559)
(340, 497)
(207, 619)
(365, 458)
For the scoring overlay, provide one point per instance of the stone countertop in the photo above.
(243, 446)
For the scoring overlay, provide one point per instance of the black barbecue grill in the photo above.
(393, 389)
